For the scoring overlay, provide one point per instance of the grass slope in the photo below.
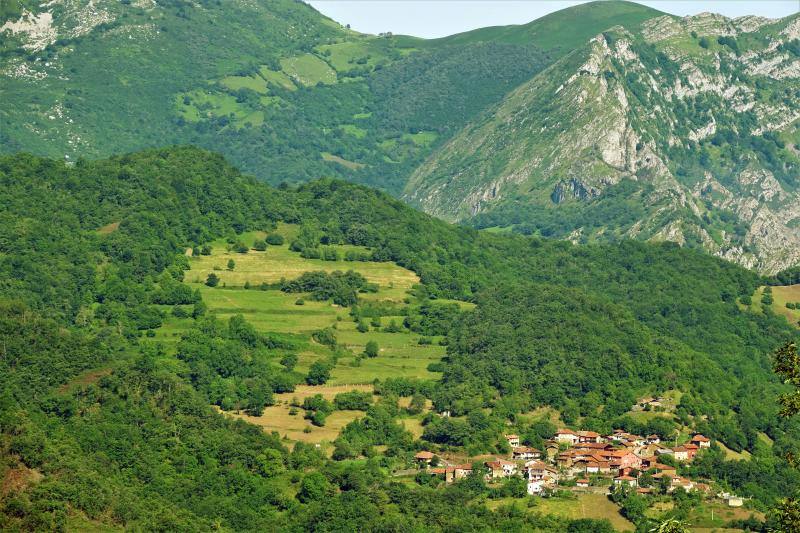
(565, 29)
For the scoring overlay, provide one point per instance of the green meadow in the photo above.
(274, 311)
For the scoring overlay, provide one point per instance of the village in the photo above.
(587, 461)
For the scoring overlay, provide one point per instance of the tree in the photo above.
(314, 487)
(319, 373)
(259, 245)
(231, 264)
(417, 404)
(274, 239)
(371, 349)
(671, 526)
(289, 361)
(787, 366)
(212, 280)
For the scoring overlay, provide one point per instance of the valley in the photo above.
(262, 272)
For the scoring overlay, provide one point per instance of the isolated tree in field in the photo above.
(371, 349)
(231, 264)
(318, 374)
(787, 366)
(259, 245)
(212, 280)
(417, 404)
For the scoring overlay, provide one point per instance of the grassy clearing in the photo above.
(352, 165)
(744, 455)
(276, 312)
(295, 427)
(234, 83)
(400, 355)
(783, 295)
(108, 228)
(278, 78)
(348, 55)
(308, 70)
(278, 262)
(595, 506)
(700, 517)
(355, 131)
(423, 138)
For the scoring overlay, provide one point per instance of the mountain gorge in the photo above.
(685, 130)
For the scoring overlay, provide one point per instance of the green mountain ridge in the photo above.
(701, 114)
(247, 82)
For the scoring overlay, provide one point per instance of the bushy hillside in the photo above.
(91, 251)
(282, 91)
(680, 129)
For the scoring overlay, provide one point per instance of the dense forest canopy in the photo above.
(88, 252)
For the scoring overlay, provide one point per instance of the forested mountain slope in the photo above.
(282, 91)
(89, 250)
(679, 129)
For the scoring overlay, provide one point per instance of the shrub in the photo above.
(371, 349)
(259, 245)
(212, 280)
(353, 401)
(274, 239)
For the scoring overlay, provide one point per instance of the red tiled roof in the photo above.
(700, 438)
(423, 455)
(524, 449)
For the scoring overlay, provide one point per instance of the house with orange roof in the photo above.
(625, 480)
(525, 453)
(500, 469)
(566, 436)
(513, 440)
(701, 441)
(423, 458)
(589, 436)
(680, 453)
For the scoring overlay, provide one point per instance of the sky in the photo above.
(437, 18)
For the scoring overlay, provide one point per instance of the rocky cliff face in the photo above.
(700, 113)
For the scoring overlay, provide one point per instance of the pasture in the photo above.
(308, 70)
(596, 506)
(783, 295)
(276, 312)
(352, 165)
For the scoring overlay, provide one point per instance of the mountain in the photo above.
(680, 129)
(284, 92)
